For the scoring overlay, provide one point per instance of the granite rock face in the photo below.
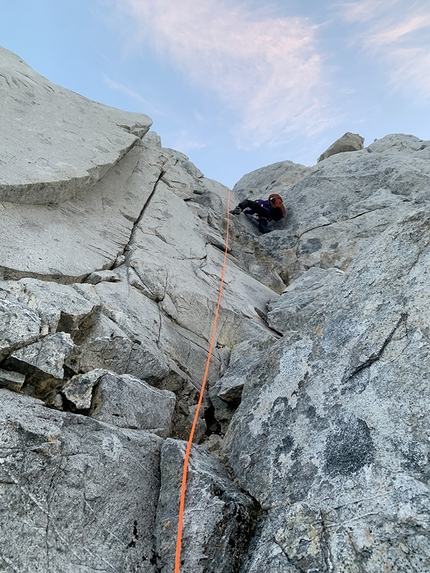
(76, 494)
(110, 266)
(331, 436)
(343, 204)
(313, 434)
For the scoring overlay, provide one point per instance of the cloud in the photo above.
(133, 94)
(365, 10)
(265, 68)
(122, 88)
(398, 31)
(396, 34)
(186, 141)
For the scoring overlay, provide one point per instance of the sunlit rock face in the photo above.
(313, 434)
(55, 143)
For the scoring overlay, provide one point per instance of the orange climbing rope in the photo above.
(199, 403)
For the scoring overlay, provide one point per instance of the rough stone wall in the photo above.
(109, 283)
(331, 434)
(314, 432)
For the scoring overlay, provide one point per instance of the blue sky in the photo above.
(238, 84)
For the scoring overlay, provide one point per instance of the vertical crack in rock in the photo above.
(136, 224)
(325, 543)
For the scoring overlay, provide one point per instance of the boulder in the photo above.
(83, 492)
(348, 142)
(128, 402)
(258, 184)
(79, 389)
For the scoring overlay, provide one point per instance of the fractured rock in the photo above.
(99, 276)
(226, 393)
(124, 336)
(79, 389)
(19, 325)
(84, 234)
(330, 435)
(60, 307)
(217, 520)
(43, 361)
(86, 491)
(344, 204)
(229, 387)
(128, 402)
(305, 296)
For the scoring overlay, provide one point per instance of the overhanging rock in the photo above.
(55, 143)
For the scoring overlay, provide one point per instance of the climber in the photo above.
(271, 210)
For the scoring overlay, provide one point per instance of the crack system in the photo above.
(136, 224)
(374, 357)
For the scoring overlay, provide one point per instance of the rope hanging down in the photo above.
(199, 403)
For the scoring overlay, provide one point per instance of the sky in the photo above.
(238, 84)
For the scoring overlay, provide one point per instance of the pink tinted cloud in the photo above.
(396, 33)
(365, 10)
(265, 68)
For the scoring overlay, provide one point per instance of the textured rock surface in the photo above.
(79, 389)
(128, 402)
(81, 235)
(11, 380)
(76, 494)
(316, 415)
(44, 359)
(345, 202)
(218, 517)
(260, 183)
(305, 296)
(335, 432)
(19, 325)
(59, 307)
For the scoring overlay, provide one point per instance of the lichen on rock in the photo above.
(312, 449)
